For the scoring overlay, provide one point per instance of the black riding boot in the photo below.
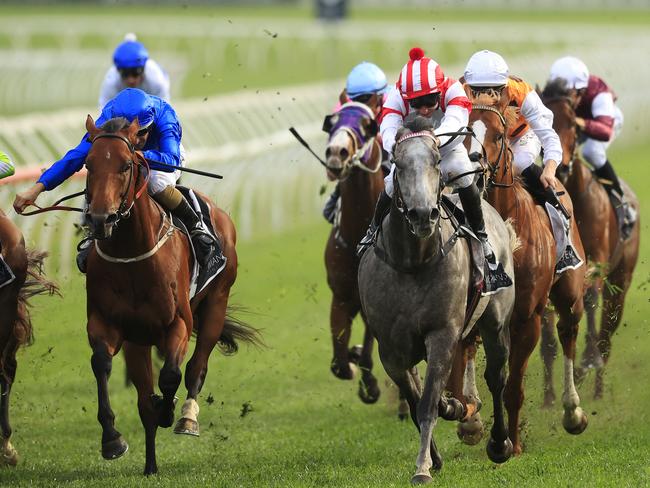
(494, 275)
(329, 211)
(616, 195)
(205, 246)
(381, 209)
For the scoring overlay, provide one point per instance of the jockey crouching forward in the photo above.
(423, 88)
(488, 74)
(600, 121)
(159, 140)
(365, 84)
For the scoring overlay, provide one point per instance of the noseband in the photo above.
(494, 167)
(124, 209)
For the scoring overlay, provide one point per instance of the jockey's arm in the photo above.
(6, 166)
(540, 119)
(168, 151)
(601, 127)
(456, 119)
(390, 123)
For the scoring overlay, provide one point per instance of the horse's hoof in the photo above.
(369, 391)
(9, 455)
(345, 372)
(165, 414)
(402, 416)
(115, 448)
(187, 427)
(471, 431)
(549, 399)
(575, 422)
(421, 479)
(149, 470)
(499, 452)
(354, 354)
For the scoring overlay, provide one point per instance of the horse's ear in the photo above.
(370, 127)
(343, 97)
(91, 128)
(134, 127)
(329, 122)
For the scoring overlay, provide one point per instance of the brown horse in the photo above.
(353, 157)
(138, 281)
(535, 259)
(612, 259)
(15, 322)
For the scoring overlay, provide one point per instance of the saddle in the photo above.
(200, 277)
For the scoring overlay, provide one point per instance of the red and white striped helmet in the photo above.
(420, 76)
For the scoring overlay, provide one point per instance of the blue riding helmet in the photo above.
(130, 54)
(366, 78)
(131, 103)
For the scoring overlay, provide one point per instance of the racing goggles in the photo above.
(131, 72)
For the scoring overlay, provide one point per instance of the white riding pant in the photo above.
(453, 161)
(525, 151)
(159, 180)
(595, 152)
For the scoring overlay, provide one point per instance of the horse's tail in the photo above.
(515, 243)
(35, 284)
(235, 330)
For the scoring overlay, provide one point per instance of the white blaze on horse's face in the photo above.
(338, 153)
(478, 140)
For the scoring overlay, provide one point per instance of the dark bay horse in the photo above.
(535, 261)
(353, 157)
(414, 297)
(612, 259)
(15, 322)
(138, 282)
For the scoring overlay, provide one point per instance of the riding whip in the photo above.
(304, 143)
(188, 170)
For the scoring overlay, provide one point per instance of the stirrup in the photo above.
(367, 240)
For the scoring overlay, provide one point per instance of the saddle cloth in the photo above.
(566, 256)
(201, 277)
(6, 275)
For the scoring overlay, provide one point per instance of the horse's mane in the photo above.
(555, 89)
(115, 125)
(511, 114)
(419, 123)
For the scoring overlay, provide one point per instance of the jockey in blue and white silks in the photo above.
(159, 139)
(133, 68)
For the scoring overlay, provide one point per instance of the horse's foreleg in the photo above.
(368, 388)
(548, 350)
(7, 375)
(138, 364)
(470, 429)
(524, 335)
(496, 343)
(591, 357)
(174, 349)
(613, 304)
(341, 315)
(105, 343)
(570, 309)
(211, 323)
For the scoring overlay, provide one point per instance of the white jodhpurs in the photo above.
(159, 180)
(453, 162)
(595, 152)
(525, 151)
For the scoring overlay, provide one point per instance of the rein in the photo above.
(502, 150)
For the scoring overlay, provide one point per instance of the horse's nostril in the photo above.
(344, 154)
(475, 157)
(112, 218)
(328, 152)
(435, 213)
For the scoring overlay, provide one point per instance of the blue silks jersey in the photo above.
(163, 144)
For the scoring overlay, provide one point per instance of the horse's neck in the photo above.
(579, 178)
(138, 233)
(359, 194)
(405, 249)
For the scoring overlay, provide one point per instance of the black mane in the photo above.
(555, 89)
(419, 123)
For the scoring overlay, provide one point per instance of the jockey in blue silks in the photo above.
(159, 139)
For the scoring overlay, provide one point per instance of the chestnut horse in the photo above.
(535, 259)
(612, 259)
(138, 282)
(15, 322)
(353, 157)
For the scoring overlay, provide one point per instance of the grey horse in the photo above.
(414, 298)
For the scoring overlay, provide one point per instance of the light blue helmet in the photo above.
(131, 103)
(130, 54)
(366, 78)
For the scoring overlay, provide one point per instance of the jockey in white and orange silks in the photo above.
(488, 73)
(423, 89)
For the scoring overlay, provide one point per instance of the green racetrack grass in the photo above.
(307, 428)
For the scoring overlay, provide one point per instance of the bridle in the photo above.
(494, 166)
(124, 209)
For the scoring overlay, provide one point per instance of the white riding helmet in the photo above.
(486, 68)
(574, 71)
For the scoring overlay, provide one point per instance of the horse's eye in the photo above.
(126, 167)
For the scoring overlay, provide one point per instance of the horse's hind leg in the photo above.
(368, 387)
(342, 313)
(613, 303)
(138, 363)
(174, 349)
(105, 343)
(591, 356)
(211, 319)
(8, 454)
(548, 351)
(569, 306)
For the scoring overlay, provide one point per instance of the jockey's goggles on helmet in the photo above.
(431, 100)
(493, 91)
(131, 72)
